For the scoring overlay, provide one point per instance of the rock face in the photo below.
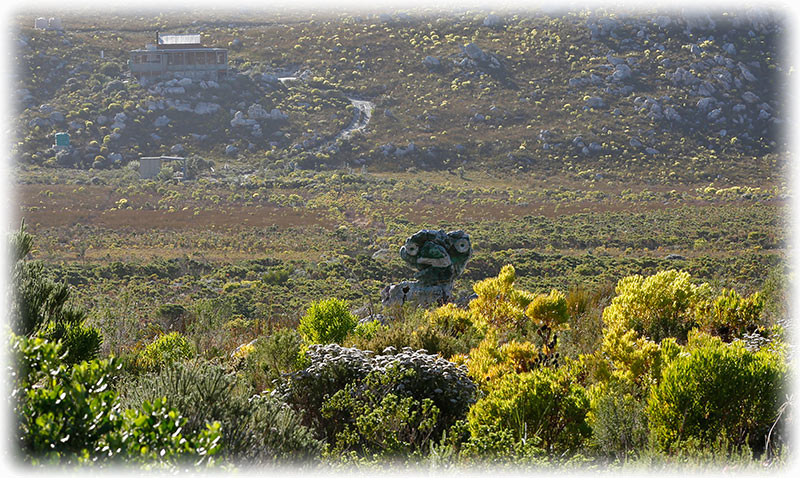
(439, 258)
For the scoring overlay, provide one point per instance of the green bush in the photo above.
(62, 411)
(544, 406)
(272, 356)
(154, 435)
(80, 341)
(379, 422)
(327, 322)
(69, 414)
(255, 429)
(658, 306)
(714, 391)
(421, 376)
(165, 350)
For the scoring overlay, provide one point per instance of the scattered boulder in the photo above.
(161, 121)
(431, 62)
(493, 21)
(595, 102)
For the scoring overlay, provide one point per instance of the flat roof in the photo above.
(174, 158)
(202, 48)
(183, 39)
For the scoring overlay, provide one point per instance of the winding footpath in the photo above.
(361, 116)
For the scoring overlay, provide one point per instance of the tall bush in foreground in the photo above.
(68, 414)
(717, 391)
(41, 307)
(544, 407)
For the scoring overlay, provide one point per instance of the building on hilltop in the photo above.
(178, 56)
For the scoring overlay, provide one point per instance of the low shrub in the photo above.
(256, 429)
(272, 356)
(378, 421)
(416, 330)
(618, 420)
(165, 350)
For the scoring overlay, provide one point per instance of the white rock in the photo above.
(278, 115)
(256, 111)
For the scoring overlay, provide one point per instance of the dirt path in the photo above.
(361, 117)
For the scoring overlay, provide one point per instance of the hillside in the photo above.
(646, 95)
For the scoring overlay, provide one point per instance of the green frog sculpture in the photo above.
(439, 258)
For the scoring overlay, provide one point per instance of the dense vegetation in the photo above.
(621, 177)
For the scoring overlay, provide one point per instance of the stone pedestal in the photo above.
(417, 293)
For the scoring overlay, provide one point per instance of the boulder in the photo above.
(750, 97)
(474, 52)
(595, 102)
(431, 62)
(161, 121)
(621, 73)
(278, 115)
(256, 112)
(705, 104)
(493, 21)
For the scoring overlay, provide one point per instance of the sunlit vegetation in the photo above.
(625, 305)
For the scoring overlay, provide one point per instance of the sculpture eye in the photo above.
(462, 245)
(412, 249)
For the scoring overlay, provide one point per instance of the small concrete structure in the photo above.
(149, 167)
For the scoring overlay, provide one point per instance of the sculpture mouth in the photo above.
(435, 261)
